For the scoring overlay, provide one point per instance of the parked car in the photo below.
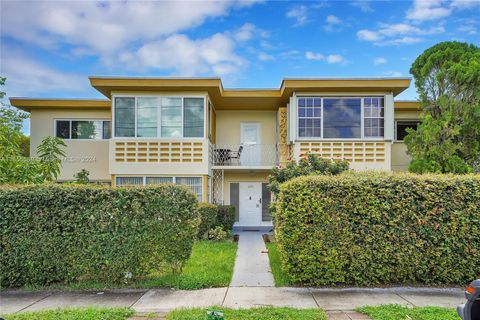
(471, 309)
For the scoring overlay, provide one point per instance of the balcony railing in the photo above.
(245, 155)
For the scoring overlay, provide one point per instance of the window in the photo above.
(171, 117)
(82, 129)
(373, 113)
(342, 118)
(167, 117)
(124, 117)
(147, 117)
(194, 183)
(128, 181)
(309, 117)
(193, 117)
(401, 127)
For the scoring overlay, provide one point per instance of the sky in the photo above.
(49, 48)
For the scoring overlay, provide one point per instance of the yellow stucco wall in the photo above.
(228, 125)
(91, 155)
(400, 158)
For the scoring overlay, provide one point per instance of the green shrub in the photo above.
(217, 234)
(208, 219)
(67, 233)
(311, 165)
(226, 217)
(370, 229)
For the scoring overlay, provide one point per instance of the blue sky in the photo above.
(48, 49)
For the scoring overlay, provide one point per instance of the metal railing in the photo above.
(245, 155)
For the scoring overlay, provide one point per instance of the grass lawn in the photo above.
(252, 314)
(75, 314)
(210, 265)
(397, 312)
(281, 278)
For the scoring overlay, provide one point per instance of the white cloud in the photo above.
(263, 56)
(364, 5)
(105, 27)
(379, 60)
(187, 57)
(335, 58)
(26, 76)
(428, 10)
(397, 34)
(249, 31)
(393, 74)
(300, 14)
(333, 22)
(313, 56)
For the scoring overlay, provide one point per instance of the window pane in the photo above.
(194, 183)
(158, 180)
(171, 113)
(87, 130)
(124, 117)
(193, 117)
(342, 118)
(147, 117)
(373, 114)
(63, 129)
(129, 181)
(107, 129)
(402, 128)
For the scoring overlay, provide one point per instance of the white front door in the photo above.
(250, 140)
(250, 211)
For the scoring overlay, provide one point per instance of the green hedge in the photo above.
(226, 217)
(208, 219)
(371, 229)
(66, 233)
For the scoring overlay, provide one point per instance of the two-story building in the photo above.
(220, 142)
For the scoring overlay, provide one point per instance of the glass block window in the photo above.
(309, 117)
(373, 115)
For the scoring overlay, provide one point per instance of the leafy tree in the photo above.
(50, 153)
(312, 165)
(82, 176)
(447, 78)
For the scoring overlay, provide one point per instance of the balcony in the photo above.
(241, 156)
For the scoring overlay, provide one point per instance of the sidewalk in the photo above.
(252, 267)
(164, 300)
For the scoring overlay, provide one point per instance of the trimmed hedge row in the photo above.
(370, 229)
(67, 233)
(208, 219)
(226, 216)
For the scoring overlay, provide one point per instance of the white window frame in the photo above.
(327, 96)
(159, 112)
(81, 119)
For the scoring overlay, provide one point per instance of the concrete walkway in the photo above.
(252, 267)
(337, 302)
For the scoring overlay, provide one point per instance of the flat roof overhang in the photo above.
(248, 99)
(407, 105)
(27, 104)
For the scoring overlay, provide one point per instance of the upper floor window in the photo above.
(340, 118)
(83, 129)
(401, 127)
(171, 117)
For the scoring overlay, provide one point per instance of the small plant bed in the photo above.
(74, 314)
(210, 265)
(269, 313)
(280, 277)
(397, 312)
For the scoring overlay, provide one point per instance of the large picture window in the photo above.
(166, 117)
(82, 129)
(340, 117)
